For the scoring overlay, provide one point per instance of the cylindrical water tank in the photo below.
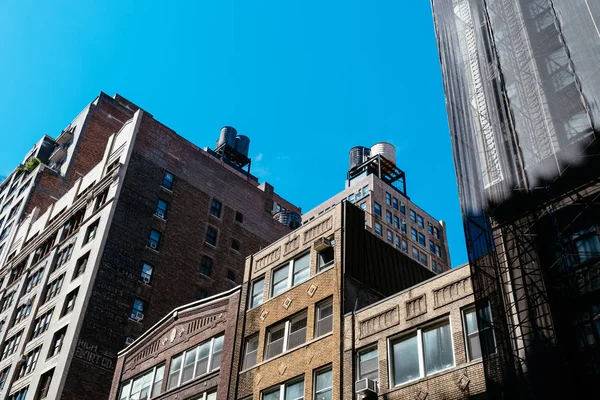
(358, 155)
(289, 218)
(387, 150)
(228, 134)
(242, 144)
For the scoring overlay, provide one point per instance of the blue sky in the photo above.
(305, 81)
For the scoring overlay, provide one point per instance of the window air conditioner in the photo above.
(138, 316)
(365, 387)
(146, 279)
(403, 222)
(152, 245)
(160, 214)
(28, 301)
(322, 244)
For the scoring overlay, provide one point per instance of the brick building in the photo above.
(194, 343)
(156, 223)
(420, 343)
(378, 187)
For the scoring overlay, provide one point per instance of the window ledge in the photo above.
(212, 246)
(164, 189)
(431, 376)
(159, 218)
(152, 250)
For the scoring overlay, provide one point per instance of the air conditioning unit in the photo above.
(403, 222)
(152, 245)
(128, 341)
(28, 301)
(321, 244)
(138, 316)
(160, 214)
(365, 387)
(402, 203)
(146, 279)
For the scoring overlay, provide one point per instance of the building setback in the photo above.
(323, 313)
(157, 223)
(522, 93)
(378, 187)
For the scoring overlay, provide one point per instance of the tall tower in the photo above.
(523, 94)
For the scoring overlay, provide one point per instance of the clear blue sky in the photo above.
(305, 81)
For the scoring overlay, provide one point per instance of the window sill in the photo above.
(212, 246)
(152, 250)
(158, 217)
(164, 189)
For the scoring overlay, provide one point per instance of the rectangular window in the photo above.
(377, 208)
(44, 386)
(323, 384)
(101, 200)
(235, 244)
(23, 312)
(368, 364)
(20, 395)
(250, 352)
(31, 360)
(137, 311)
(4, 377)
(413, 234)
(432, 246)
(11, 344)
(287, 391)
(421, 239)
(363, 206)
(283, 279)
(413, 216)
(438, 251)
(390, 237)
(395, 203)
(423, 258)
(396, 222)
(415, 253)
(420, 221)
(211, 236)
(239, 217)
(91, 232)
(41, 323)
(324, 318)
(144, 386)
(69, 302)
(80, 265)
(206, 266)
(478, 335)
(196, 362)
(403, 226)
(436, 232)
(404, 246)
(430, 229)
(258, 289)
(286, 335)
(146, 274)
(154, 239)
(378, 229)
(326, 256)
(53, 288)
(422, 353)
(215, 208)
(7, 301)
(398, 242)
(388, 217)
(388, 199)
(167, 182)
(161, 209)
(62, 257)
(351, 198)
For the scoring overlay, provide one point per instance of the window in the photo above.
(20, 395)
(80, 266)
(239, 217)
(154, 239)
(4, 377)
(398, 240)
(72, 225)
(146, 275)
(404, 246)
(326, 257)
(258, 288)
(420, 221)
(395, 203)
(388, 217)
(11, 345)
(167, 182)
(69, 302)
(286, 335)
(101, 199)
(211, 236)
(403, 226)
(137, 311)
(388, 199)
(390, 237)
(44, 386)
(215, 208)
(53, 288)
(250, 352)
(196, 362)
(413, 216)
(377, 208)
(30, 362)
(235, 244)
(365, 190)
(430, 228)
(396, 222)
(438, 251)
(351, 198)
(475, 336)
(324, 317)
(323, 384)
(378, 229)
(363, 206)
(41, 323)
(368, 364)
(436, 232)
(7, 301)
(421, 239)
(422, 353)
(415, 253)
(62, 257)
(161, 209)
(23, 312)
(432, 246)
(287, 391)
(145, 386)
(231, 275)
(91, 232)
(413, 234)
(5, 232)
(16, 272)
(423, 258)
(206, 266)
(283, 279)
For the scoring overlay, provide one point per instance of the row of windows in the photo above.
(294, 389)
(428, 350)
(289, 334)
(290, 274)
(414, 217)
(402, 244)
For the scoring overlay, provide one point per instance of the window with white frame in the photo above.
(421, 353)
(324, 317)
(207, 396)
(196, 362)
(286, 335)
(326, 256)
(250, 352)
(323, 386)
(378, 229)
(258, 289)
(293, 390)
(291, 274)
(368, 364)
(145, 386)
(477, 336)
